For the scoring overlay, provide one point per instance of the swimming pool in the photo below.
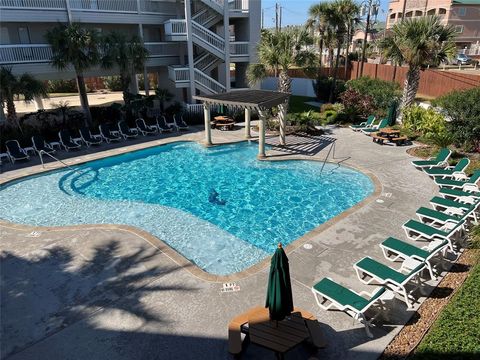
(219, 207)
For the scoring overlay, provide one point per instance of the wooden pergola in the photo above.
(248, 100)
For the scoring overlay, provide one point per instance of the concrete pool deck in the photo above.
(106, 292)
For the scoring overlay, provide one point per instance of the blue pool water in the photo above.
(219, 207)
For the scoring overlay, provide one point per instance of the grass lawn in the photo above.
(456, 332)
(297, 104)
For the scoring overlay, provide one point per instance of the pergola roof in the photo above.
(260, 99)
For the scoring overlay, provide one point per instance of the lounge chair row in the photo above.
(449, 177)
(441, 229)
(106, 134)
(369, 127)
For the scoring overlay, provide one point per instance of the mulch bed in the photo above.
(416, 328)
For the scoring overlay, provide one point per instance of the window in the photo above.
(431, 12)
(418, 13)
(459, 29)
(392, 16)
(462, 11)
(409, 14)
(442, 11)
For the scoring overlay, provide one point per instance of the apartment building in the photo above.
(192, 43)
(464, 15)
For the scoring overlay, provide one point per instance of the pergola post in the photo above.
(208, 131)
(248, 115)
(261, 136)
(282, 120)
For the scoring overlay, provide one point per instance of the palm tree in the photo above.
(75, 46)
(418, 42)
(163, 95)
(128, 54)
(279, 51)
(12, 86)
(340, 17)
(351, 14)
(317, 23)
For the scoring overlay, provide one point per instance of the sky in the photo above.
(295, 12)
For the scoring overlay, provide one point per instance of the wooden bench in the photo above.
(402, 140)
(379, 139)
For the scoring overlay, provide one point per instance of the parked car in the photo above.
(461, 59)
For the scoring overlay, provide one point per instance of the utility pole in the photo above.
(280, 20)
(263, 18)
(276, 16)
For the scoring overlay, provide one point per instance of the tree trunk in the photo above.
(335, 72)
(347, 50)
(320, 51)
(84, 99)
(285, 84)
(330, 60)
(125, 81)
(12, 114)
(410, 88)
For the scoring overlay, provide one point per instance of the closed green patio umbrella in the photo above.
(279, 291)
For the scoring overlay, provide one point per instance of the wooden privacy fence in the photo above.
(433, 83)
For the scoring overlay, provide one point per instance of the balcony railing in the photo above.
(34, 4)
(36, 53)
(159, 49)
(176, 27)
(238, 5)
(105, 5)
(25, 53)
(239, 48)
(179, 73)
(124, 6)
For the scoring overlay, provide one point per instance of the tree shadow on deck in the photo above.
(50, 289)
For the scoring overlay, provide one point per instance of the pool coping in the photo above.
(161, 245)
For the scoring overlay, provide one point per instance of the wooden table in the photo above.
(223, 122)
(388, 132)
(389, 135)
(279, 337)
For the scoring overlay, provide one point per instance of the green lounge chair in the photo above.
(394, 250)
(459, 195)
(452, 206)
(456, 171)
(382, 124)
(471, 184)
(329, 293)
(369, 270)
(434, 217)
(440, 160)
(364, 125)
(416, 230)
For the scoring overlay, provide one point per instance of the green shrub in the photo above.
(463, 109)
(382, 92)
(330, 116)
(62, 86)
(425, 121)
(356, 104)
(112, 83)
(323, 85)
(338, 107)
(326, 107)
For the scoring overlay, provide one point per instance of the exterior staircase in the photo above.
(209, 45)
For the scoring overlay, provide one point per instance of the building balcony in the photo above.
(239, 51)
(42, 53)
(122, 6)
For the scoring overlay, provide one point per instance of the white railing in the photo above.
(204, 17)
(207, 82)
(198, 108)
(158, 49)
(238, 5)
(105, 5)
(239, 48)
(178, 73)
(152, 6)
(208, 36)
(215, 4)
(205, 61)
(176, 27)
(34, 4)
(25, 53)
